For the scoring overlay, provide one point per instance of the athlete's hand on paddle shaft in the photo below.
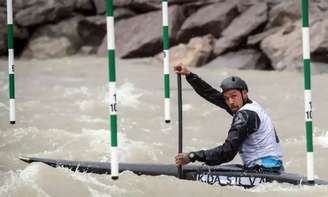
(181, 69)
(182, 159)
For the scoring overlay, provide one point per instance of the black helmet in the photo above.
(233, 82)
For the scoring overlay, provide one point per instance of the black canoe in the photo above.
(218, 175)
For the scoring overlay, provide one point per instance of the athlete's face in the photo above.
(234, 99)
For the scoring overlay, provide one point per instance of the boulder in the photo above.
(194, 54)
(46, 47)
(20, 34)
(139, 5)
(123, 13)
(143, 6)
(319, 67)
(141, 36)
(85, 6)
(244, 25)
(285, 12)
(284, 48)
(87, 50)
(100, 6)
(289, 11)
(243, 5)
(322, 5)
(191, 7)
(45, 11)
(66, 33)
(3, 44)
(119, 12)
(194, 1)
(256, 39)
(22, 4)
(3, 32)
(92, 30)
(243, 59)
(212, 19)
(319, 41)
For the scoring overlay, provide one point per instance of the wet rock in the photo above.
(141, 36)
(257, 38)
(243, 59)
(194, 54)
(194, 1)
(284, 48)
(3, 44)
(42, 12)
(191, 7)
(92, 30)
(123, 13)
(20, 34)
(84, 6)
(289, 11)
(319, 67)
(46, 47)
(65, 32)
(22, 4)
(139, 5)
(285, 12)
(212, 19)
(243, 5)
(87, 50)
(319, 41)
(100, 6)
(3, 32)
(241, 27)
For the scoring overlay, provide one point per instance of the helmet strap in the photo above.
(242, 97)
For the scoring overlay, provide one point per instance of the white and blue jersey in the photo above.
(262, 145)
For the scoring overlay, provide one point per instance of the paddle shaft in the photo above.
(179, 121)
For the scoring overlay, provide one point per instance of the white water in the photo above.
(62, 110)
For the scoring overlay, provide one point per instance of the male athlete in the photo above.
(251, 134)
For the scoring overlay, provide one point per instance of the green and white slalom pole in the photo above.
(166, 61)
(307, 90)
(112, 88)
(11, 67)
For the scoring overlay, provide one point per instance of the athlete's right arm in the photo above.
(202, 88)
(207, 91)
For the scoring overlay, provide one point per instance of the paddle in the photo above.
(179, 121)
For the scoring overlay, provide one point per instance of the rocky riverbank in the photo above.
(244, 34)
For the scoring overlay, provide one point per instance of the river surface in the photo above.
(62, 113)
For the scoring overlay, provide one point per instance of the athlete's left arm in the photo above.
(244, 123)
